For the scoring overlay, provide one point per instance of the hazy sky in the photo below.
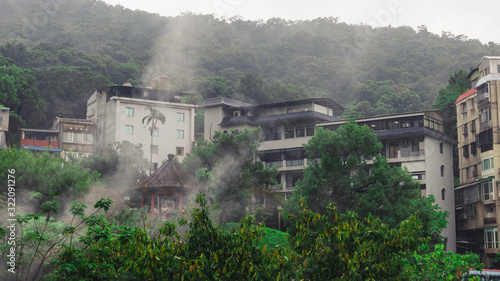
(476, 20)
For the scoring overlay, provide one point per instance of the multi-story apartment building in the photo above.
(412, 140)
(76, 137)
(479, 159)
(417, 142)
(118, 112)
(4, 126)
(287, 126)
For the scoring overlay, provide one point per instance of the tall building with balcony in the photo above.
(416, 141)
(287, 126)
(477, 196)
(118, 112)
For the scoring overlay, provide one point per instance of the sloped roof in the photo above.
(466, 94)
(224, 101)
(170, 176)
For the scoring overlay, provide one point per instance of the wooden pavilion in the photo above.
(170, 183)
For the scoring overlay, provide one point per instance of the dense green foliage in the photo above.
(341, 176)
(333, 246)
(44, 173)
(227, 166)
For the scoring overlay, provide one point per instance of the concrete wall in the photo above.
(435, 182)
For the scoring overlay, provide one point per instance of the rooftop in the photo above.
(466, 94)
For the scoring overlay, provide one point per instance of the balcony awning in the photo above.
(51, 149)
(489, 77)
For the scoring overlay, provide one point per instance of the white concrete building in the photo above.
(118, 112)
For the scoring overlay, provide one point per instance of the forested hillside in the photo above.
(69, 47)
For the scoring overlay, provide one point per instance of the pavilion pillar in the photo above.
(152, 204)
(180, 202)
(159, 203)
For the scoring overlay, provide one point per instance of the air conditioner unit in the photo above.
(236, 113)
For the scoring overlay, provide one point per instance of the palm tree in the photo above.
(154, 116)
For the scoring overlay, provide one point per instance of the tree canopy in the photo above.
(344, 176)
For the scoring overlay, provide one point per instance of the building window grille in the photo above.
(300, 132)
(179, 151)
(491, 238)
(310, 131)
(487, 190)
(289, 133)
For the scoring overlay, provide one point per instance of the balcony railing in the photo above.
(490, 220)
(40, 143)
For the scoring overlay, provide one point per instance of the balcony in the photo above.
(492, 220)
(40, 143)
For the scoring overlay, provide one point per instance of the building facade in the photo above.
(479, 161)
(287, 126)
(118, 112)
(4, 126)
(416, 141)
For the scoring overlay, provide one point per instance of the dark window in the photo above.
(415, 146)
(310, 131)
(295, 157)
(289, 133)
(473, 148)
(292, 178)
(442, 170)
(300, 132)
(465, 150)
(443, 193)
(441, 147)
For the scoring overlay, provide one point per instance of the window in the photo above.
(77, 137)
(179, 134)
(156, 132)
(295, 157)
(465, 130)
(490, 238)
(154, 166)
(289, 133)
(442, 170)
(310, 130)
(487, 190)
(180, 116)
(154, 149)
(441, 146)
(473, 148)
(467, 172)
(300, 131)
(487, 164)
(179, 151)
(464, 108)
(292, 178)
(272, 158)
(129, 129)
(415, 146)
(129, 111)
(472, 126)
(485, 115)
(466, 151)
(443, 194)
